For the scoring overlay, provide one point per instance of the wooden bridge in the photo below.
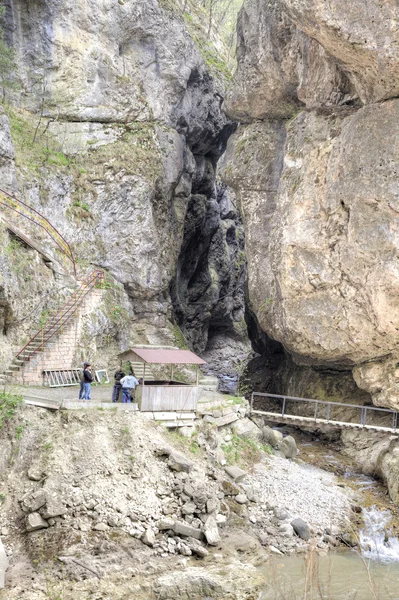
(323, 414)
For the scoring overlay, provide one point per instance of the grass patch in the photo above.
(8, 407)
(244, 451)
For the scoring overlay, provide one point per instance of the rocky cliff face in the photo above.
(114, 135)
(314, 163)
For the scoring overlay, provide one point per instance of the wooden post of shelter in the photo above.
(144, 375)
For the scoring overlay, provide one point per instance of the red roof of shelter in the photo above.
(165, 356)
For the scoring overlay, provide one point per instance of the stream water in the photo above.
(369, 573)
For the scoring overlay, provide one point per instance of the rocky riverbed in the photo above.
(100, 503)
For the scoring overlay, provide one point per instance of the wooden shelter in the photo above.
(165, 395)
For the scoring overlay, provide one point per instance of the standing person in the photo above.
(88, 379)
(119, 374)
(82, 381)
(128, 383)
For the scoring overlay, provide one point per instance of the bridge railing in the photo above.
(315, 406)
(17, 207)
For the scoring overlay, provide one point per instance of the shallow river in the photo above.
(371, 573)
(335, 577)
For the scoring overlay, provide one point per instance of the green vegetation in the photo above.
(7, 64)
(8, 406)
(244, 451)
(2, 498)
(19, 431)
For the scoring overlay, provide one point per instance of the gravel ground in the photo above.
(288, 490)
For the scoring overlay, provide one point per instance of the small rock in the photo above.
(54, 508)
(271, 436)
(100, 527)
(3, 565)
(35, 521)
(165, 523)
(211, 531)
(253, 519)
(188, 490)
(356, 509)
(212, 505)
(162, 450)
(187, 530)
(229, 488)
(208, 419)
(178, 462)
(220, 519)
(241, 499)
(286, 529)
(288, 447)
(235, 473)
(34, 501)
(188, 508)
(349, 538)
(148, 537)
(185, 550)
(301, 529)
(281, 514)
(200, 551)
(275, 550)
(35, 473)
(263, 538)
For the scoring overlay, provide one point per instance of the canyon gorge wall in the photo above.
(114, 133)
(314, 163)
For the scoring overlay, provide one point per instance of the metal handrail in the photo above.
(329, 404)
(26, 211)
(64, 314)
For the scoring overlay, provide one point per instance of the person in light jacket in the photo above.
(128, 383)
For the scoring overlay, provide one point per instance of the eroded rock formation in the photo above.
(314, 163)
(116, 131)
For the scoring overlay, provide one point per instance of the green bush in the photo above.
(8, 406)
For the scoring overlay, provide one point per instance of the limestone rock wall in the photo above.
(314, 163)
(114, 135)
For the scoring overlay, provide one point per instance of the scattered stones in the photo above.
(212, 505)
(235, 473)
(211, 531)
(349, 538)
(301, 529)
(178, 462)
(241, 499)
(3, 565)
(286, 529)
(148, 537)
(187, 530)
(35, 521)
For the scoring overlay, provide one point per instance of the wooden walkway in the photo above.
(308, 412)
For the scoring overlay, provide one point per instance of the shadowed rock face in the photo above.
(318, 189)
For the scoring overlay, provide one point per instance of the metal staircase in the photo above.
(54, 325)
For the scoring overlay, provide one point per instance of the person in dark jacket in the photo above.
(88, 379)
(119, 374)
(82, 381)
